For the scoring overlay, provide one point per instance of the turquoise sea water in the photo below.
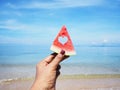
(20, 61)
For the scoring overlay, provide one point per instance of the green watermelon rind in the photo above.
(58, 49)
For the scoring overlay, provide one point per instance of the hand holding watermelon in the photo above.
(47, 70)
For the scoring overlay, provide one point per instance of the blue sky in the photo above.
(36, 22)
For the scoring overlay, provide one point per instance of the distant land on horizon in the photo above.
(101, 45)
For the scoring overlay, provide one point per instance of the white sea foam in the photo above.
(10, 80)
(3, 81)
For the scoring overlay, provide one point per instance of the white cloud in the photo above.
(80, 3)
(9, 21)
(56, 4)
(22, 40)
(11, 5)
(13, 13)
(12, 24)
(12, 27)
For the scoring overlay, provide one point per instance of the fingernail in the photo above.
(62, 52)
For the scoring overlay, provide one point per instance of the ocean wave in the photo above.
(10, 80)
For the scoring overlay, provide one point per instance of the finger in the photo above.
(65, 57)
(49, 58)
(57, 59)
(58, 67)
(57, 73)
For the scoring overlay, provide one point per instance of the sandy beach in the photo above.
(69, 83)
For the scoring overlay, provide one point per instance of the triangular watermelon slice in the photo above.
(65, 44)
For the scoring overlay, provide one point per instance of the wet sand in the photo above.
(89, 84)
(69, 83)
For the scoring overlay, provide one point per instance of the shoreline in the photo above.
(90, 76)
(69, 82)
(62, 77)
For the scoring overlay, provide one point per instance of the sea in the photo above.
(19, 61)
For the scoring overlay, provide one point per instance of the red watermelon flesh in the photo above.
(65, 44)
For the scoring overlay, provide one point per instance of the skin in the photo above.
(47, 72)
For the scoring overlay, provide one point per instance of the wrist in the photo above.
(41, 86)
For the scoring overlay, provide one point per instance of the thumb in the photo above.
(57, 59)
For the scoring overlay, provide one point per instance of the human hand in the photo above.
(47, 72)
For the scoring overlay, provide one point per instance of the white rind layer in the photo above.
(57, 50)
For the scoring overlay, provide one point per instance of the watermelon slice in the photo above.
(63, 42)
